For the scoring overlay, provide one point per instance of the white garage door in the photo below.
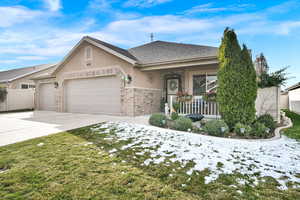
(47, 97)
(93, 95)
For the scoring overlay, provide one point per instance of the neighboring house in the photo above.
(21, 78)
(97, 77)
(19, 87)
(290, 98)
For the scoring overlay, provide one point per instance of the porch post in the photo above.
(166, 109)
(171, 103)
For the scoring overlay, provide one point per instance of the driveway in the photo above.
(17, 127)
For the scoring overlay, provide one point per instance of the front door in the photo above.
(172, 87)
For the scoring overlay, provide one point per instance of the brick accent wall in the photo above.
(141, 101)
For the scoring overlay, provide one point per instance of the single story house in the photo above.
(290, 98)
(21, 78)
(97, 77)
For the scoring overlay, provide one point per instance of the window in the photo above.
(88, 56)
(199, 86)
(204, 83)
(27, 86)
(24, 86)
(88, 53)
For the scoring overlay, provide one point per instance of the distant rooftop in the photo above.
(10, 75)
(293, 87)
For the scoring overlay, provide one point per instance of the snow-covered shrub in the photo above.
(216, 128)
(158, 119)
(174, 115)
(182, 124)
(268, 121)
(259, 130)
(242, 130)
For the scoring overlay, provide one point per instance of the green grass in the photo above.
(77, 165)
(293, 132)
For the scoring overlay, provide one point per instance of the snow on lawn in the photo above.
(278, 158)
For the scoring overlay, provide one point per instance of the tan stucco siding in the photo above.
(142, 79)
(75, 68)
(100, 59)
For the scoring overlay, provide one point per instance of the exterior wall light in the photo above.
(127, 79)
(55, 84)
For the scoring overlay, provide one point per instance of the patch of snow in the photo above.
(275, 158)
(113, 151)
(88, 143)
(239, 191)
(40, 144)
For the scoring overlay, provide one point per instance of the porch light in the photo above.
(55, 84)
(127, 79)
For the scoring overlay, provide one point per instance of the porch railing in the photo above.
(197, 106)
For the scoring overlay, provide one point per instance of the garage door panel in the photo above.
(94, 95)
(47, 97)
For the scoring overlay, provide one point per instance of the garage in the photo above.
(93, 95)
(47, 97)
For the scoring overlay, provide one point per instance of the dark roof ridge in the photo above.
(113, 47)
(169, 42)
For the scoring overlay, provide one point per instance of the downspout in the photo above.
(6, 100)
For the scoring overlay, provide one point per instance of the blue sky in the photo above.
(43, 31)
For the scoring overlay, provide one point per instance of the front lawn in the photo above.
(122, 161)
(293, 132)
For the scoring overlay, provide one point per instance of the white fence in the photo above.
(18, 99)
(197, 106)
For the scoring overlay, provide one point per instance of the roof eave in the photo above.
(27, 74)
(177, 61)
(179, 64)
(42, 77)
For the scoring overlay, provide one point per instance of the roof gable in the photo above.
(119, 52)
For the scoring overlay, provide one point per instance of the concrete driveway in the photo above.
(17, 127)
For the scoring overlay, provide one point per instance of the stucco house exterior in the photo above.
(97, 77)
(21, 78)
(290, 98)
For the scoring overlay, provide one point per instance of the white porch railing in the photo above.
(197, 106)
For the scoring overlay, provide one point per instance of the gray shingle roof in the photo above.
(115, 48)
(160, 51)
(13, 74)
(293, 87)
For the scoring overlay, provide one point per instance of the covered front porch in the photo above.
(186, 87)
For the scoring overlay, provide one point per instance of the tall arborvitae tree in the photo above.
(232, 91)
(250, 84)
